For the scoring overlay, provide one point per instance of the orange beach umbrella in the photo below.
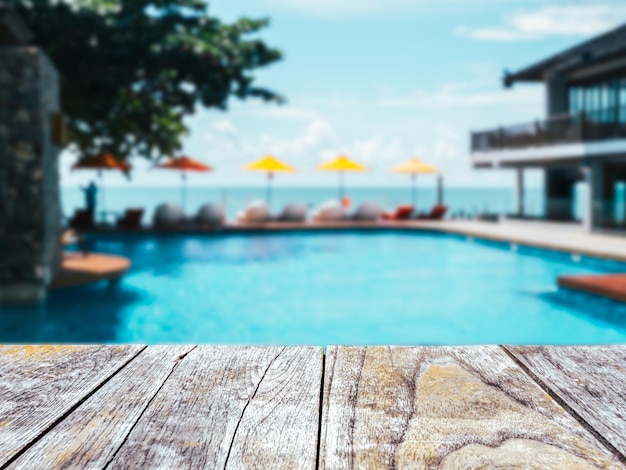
(184, 164)
(104, 161)
(341, 164)
(414, 166)
(100, 163)
(270, 165)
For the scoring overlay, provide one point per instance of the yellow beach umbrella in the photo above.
(415, 166)
(270, 165)
(341, 164)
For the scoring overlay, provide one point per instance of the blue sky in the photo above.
(382, 81)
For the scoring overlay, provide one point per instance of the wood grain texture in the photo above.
(91, 435)
(445, 407)
(239, 407)
(591, 380)
(40, 384)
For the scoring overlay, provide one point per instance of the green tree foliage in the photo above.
(131, 70)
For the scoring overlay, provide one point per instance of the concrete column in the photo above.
(596, 199)
(588, 209)
(519, 191)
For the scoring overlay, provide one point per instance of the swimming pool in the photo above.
(326, 288)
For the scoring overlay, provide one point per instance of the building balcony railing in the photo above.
(558, 130)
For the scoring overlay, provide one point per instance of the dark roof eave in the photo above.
(597, 48)
(526, 75)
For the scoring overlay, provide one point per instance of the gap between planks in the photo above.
(564, 404)
(70, 409)
(181, 357)
(320, 410)
(245, 407)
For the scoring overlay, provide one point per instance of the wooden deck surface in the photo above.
(133, 406)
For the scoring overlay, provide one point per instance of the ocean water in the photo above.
(326, 288)
(461, 201)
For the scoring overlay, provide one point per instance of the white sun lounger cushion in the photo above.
(256, 211)
(330, 211)
(210, 213)
(168, 214)
(294, 212)
(368, 211)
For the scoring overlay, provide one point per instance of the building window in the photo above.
(600, 102)
(622, 100)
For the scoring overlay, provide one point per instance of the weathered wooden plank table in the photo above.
(134, 406)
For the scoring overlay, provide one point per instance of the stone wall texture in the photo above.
(30, 215)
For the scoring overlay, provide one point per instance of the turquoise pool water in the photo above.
(328, 288)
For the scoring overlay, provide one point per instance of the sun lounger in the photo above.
(294, 212)
(436, 213)
(329, 211)
(168, 215)
(130, 219)
(82, 218)
(402, 213)
(368, 211)
(256, 212)
(210, 214)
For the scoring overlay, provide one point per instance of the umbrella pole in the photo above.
(439, 189)
(102, 193)
(414, 190)
(270, 175)
(183, 177)
(341, 186)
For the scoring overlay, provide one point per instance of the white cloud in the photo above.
(561, 20)
(447, 144)
(376, 151)
(456, 96)
(316, 133)
(224, 126)
(293, 113)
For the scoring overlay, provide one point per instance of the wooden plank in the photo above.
(40, 384)
(445, 407)
(91, 435)
(232, 407)
(591, 380)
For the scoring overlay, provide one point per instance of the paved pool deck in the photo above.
(608, 246)
(187, 406)
(600, 245)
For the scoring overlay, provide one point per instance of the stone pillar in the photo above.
(556, 94)
(519, 191)
(30, 215)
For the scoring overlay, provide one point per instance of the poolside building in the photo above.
(581, 140)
